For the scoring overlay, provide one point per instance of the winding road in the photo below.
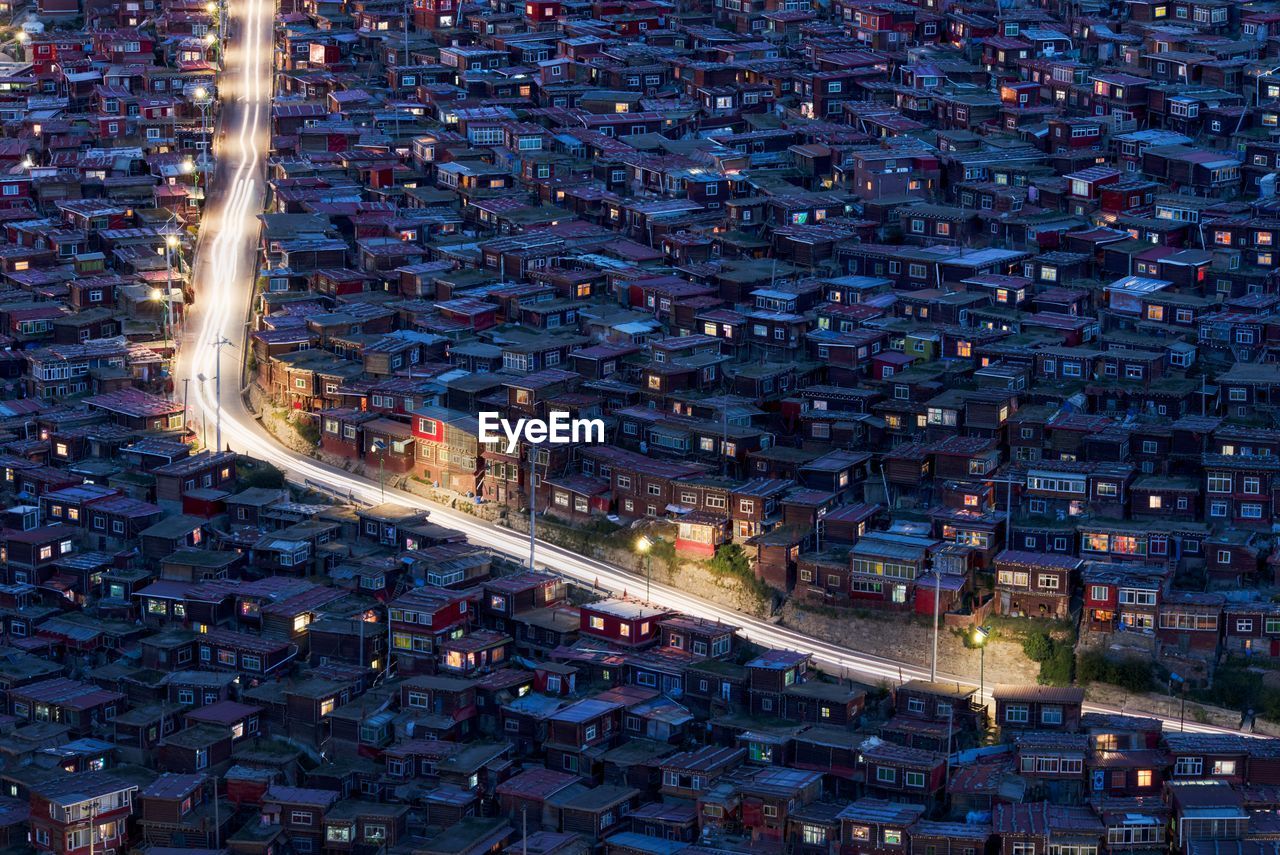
(224, 276)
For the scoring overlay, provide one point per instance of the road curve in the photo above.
(224, 278)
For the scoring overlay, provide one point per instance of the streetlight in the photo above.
(643, 546)
(980, 636)
(380, 447)
(221, 342)
(203, 98)
(171, 242)
(204, 424)
(158, 297)
(24, 38)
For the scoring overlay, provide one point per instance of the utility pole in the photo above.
(171, 241)
(186, 396)
(1008, 503)
(533, 502)
(937, 599)
(203, 99)
(380, 447)
(724, 434)
(390, 647)
(221, 342)
(400, 78)
(951, 721)
(217, 816)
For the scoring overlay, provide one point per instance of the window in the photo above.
(892, 837)
(1224, 767)
(1188, 767)
(886, 775)
(814, 835)
(300, 817)
(1016, 713)
(915, 779)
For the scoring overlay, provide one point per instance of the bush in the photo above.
(731, 561)
(1038, 646)
(1056, 669)
(1091, 667)
(258, 473)
(308, 429)
(1133, 675)
(1235, 687)
(663, 552)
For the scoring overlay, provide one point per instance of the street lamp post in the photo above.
(158, 297)
(221, 342)
(171, 242)
(216, 8)
(533, 505)
(202, 98)
(980, 636)
(380, 447)
(204, 422)
(644, 546)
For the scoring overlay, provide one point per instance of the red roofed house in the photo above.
(76, 814)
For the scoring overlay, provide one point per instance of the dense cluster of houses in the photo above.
(425, 697)
(108, 129)
(965, 306)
